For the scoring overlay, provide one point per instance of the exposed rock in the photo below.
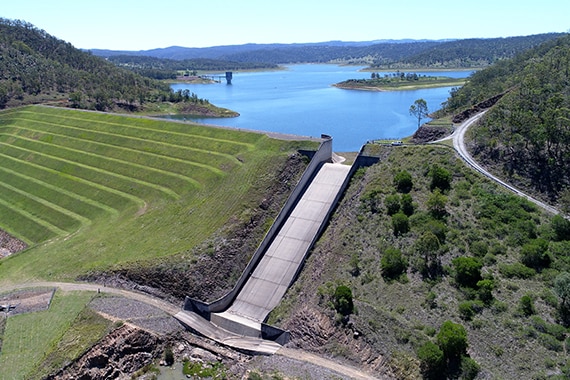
(117, 356)
(459, 118)
(427, 133)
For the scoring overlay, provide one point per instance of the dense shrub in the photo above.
(516, 270)
(535, 254)
(407, 204)
(467, 271)
(526, 305)
(452, 339)
(440, 178)
(436, 204)
(469, 368)
(400, 224)
(403, 182)
(485, 290)
(562, 287)
(432, 361)
(561, 228)
(468, 309)
(393, 263)
(343, 300)
(438, 228)
(392, 204)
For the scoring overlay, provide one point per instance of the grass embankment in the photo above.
(89, 190)
(394, 84)
(38, 343)
(406, 284)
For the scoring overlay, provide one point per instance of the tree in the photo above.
(407, 204)
(467, 271)
(393, 263)
(535, 254)
(392, 203)
(562, 287)
(436, 204)
(432, 360)
(419, 110)
(440, 178)
(403, 181)
(400, 223)
(343, 300)
(452, 339)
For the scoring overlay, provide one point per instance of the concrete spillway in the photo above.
(282, 260)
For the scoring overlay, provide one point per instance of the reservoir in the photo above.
(301, 100)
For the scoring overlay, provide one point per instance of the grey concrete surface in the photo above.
(277, 269)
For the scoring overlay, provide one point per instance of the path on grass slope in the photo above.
(172, 309)
(458, 138)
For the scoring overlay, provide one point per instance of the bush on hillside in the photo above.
(432, 360)
(452, 339)
(467, 271)
(400, 224)
(393, 263)
(403, 182)
(343, 300)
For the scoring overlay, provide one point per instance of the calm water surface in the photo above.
(301, 100)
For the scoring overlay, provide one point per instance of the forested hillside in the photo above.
(162, 68)
(37, 67)
(526, 135)
(468, 53)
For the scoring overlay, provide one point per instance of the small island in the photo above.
(399, 81)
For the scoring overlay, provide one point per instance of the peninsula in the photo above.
(399, 81)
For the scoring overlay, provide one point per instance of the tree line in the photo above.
(36, 67)
(526, 134)
(162, 68)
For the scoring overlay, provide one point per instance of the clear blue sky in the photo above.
(145, 24)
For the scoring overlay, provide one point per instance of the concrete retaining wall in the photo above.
(322, 155)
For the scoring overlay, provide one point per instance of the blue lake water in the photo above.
(302, 101)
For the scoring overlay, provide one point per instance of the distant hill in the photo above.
(476, 52)
(36, 67)
(525, 135)
(379, 53)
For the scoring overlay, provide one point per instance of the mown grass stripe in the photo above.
(56, 230)
(138, 201)
(230, 157)
(247, 146)
(117, 147)
(78, 153)
(62, 191)
(71, 214)
(98, 170)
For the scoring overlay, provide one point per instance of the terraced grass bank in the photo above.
(87, 190)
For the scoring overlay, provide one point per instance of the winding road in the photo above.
(458, 138)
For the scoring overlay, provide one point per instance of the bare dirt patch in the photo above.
(26, 301)
(10, 245)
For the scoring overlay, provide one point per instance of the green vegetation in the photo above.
(38, 342)
(162, 68)
(57, 72)
(524, 138)
(105, 190)
(399, 81)
(466, 253)
(204, 370)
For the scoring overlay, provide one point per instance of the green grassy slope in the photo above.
(88, 190)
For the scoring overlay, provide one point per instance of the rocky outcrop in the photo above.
(460, 118)
(426, 133)
(117, 356)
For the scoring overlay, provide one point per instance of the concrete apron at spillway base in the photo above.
(281, 262)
